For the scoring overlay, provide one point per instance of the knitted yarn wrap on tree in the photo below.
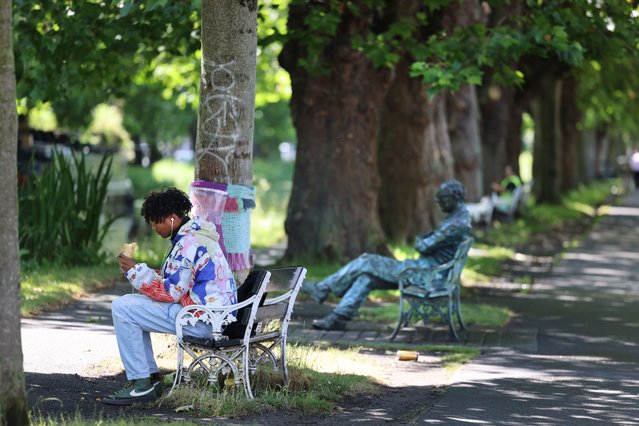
(228, 207)
(236, 227)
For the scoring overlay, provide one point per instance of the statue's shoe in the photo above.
(331, 322)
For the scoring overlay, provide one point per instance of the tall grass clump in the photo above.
(60, 212)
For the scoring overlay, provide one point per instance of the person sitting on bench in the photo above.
(369, 272)
(505, 189)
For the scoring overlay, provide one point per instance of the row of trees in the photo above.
(391, 98)
(388, 99)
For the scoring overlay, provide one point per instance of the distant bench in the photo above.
(493, 206)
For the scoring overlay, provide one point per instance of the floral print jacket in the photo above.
(195, 272)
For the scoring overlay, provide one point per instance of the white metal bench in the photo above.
(243, 336)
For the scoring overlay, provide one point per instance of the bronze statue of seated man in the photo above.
(368, 272)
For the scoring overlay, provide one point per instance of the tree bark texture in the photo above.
(569, 135)
(514, 142)
(333, 210)
(414, 157)
(586, 155)
(463, 110)
(224, 147)
(496, 105)
(547, 143)
(465, 140)
(13, 400)
(496, 112)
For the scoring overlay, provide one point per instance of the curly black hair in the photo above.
(158, 205)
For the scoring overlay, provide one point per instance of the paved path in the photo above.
(583, 367)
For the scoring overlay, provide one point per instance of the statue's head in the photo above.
(450, 195)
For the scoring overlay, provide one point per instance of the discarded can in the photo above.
(407, 355)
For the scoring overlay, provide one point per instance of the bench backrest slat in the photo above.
(271, 312)
(287, 280)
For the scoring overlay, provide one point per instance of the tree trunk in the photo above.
(463, 110)
(586, 155)
(13, 399)
(547, 143)
(465, 140)
(514, 142)
(569, 135)
(333, 210)
(224, 147)
(496, 108)
(414, 157)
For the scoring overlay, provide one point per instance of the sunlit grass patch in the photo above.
(78, 420)
(50, 286)
(317, 378)
(480, 314)
(267, 227)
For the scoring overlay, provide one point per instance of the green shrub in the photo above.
(60, 212)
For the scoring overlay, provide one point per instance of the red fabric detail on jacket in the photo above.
(155, 290)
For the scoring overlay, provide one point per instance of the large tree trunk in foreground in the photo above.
(13, 399)
(224, 147)
(333, 211)
(414, 157)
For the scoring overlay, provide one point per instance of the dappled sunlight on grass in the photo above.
(479, 314)
(582, 208)
(50, 286)
(317, 378)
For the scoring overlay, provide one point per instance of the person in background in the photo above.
(503, 191)
(369, 272)
(509, 183)
(195, 272)
(634, 167)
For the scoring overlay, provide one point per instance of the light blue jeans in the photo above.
(135, 316)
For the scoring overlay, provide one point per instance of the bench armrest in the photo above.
(423, 277)
(218, 317)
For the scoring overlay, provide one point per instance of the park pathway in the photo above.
(583, 366)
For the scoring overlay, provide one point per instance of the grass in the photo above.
(317, 379)
(479, 314)
(77, 420)
(50, 286)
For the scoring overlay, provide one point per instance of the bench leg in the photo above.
(283, 360)
(462, 325)
(403, 319)
(179, 368)
(451, 320)
(246, 372)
